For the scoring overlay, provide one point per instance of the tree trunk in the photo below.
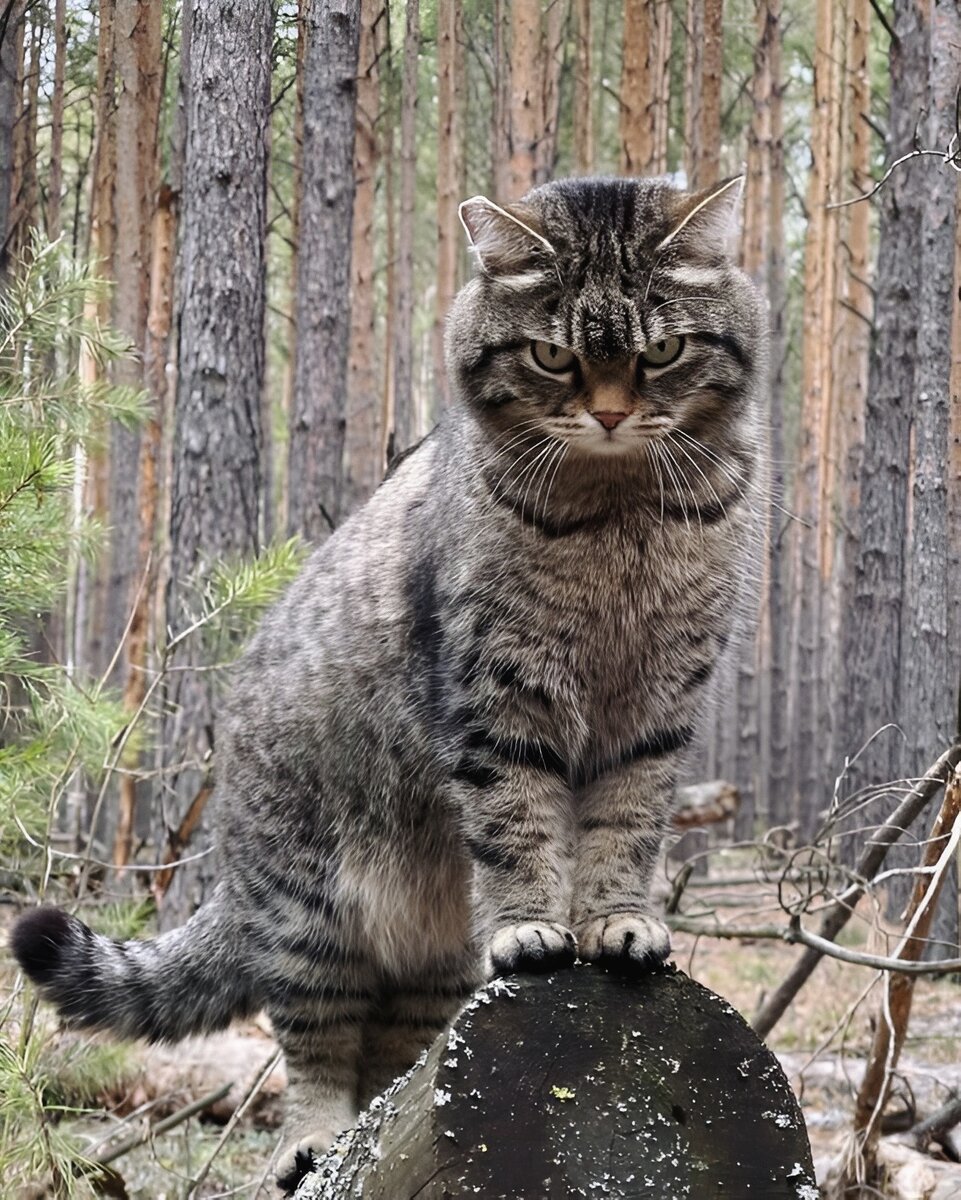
(585, 1079)
(323, 279)
(812, 482)
(705, 61)
(363, 466)
(138, 63)
(55, 177)
(404, 425)
(527, 97)
(450, 143)
(501, 123)
(216, 491)
(645, 86)
(8, 124)
(872, 628)
(553, 29)
(583, 115)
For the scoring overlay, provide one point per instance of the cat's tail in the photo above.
(190, 980)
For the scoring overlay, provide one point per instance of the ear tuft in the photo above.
(507, 241)
(709, 220)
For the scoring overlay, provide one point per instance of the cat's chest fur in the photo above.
(592, 641)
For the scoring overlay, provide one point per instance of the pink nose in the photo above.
(609, 420)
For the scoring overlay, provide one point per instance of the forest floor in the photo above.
(822, 1042)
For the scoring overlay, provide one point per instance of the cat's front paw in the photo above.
(629, 938)
(532, 946)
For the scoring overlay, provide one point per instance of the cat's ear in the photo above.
(507, 241)
(708, 221)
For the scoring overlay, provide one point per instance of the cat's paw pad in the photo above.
(532, 946)
(299, 1158)
(629, 938)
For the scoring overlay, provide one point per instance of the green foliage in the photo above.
(55, 725)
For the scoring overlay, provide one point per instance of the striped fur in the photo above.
(451, 747)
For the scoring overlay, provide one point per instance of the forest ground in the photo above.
(822, 1041)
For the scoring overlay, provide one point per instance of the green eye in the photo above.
(659, 354)
(553, 358)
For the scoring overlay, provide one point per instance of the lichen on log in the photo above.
(582, 1083)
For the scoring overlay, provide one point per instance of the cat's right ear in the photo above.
(506, 241)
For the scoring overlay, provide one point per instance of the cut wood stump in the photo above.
(582, 1083)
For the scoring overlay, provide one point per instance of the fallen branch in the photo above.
(933, 1128)
(796, 934)
(705, 804)
(155, 1131)
(841, 911)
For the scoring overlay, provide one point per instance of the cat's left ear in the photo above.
(507, 241)
(708, 221)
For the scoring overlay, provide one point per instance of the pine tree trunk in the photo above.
(527, 97)
(216, 490)
(810, 493)
(450, 41)
(553, 29)
(323, 284)
(8, 122)
(138, 63)
(645, 86)
(702, 124)
(362, 459)
(583, 115)
(873, 619)
(55, 177)
(405, 429)
(500, 125)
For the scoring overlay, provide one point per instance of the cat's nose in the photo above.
(609, 420)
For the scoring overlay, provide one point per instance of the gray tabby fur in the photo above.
(450, 749)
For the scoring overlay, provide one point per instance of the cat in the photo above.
(450, 749)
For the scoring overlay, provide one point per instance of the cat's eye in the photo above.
(662, 353)
(553, 358)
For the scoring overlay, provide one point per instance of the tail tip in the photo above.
(38, 939)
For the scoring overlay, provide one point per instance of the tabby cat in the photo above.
(451, 748)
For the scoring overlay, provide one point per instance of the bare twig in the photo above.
(154, 1131)
(252, 1093)
(840, 912)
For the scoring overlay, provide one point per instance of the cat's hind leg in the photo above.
(321, 1032)
(406, 1019)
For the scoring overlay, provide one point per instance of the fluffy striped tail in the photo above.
(190, 980)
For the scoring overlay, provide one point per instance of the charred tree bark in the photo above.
(216, 489)
(323, 277)
(560, 1085)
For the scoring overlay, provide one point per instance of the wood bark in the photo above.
(450, 149)
(527, 97)
(705, 61)
(874, 627)
(645, 86)
(138, 64)
(216, 489)
(500, 172)
(323, 279)
(405, 432)
(550, 1086)
(553, 29)
(583, 115)
(12, 30)
(811, 533)
(363, 466)
(55, 177)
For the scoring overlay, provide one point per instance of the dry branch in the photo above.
(705, 804)
(868, 865)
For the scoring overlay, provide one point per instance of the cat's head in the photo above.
(607, 313)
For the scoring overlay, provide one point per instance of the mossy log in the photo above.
(582, 1083)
